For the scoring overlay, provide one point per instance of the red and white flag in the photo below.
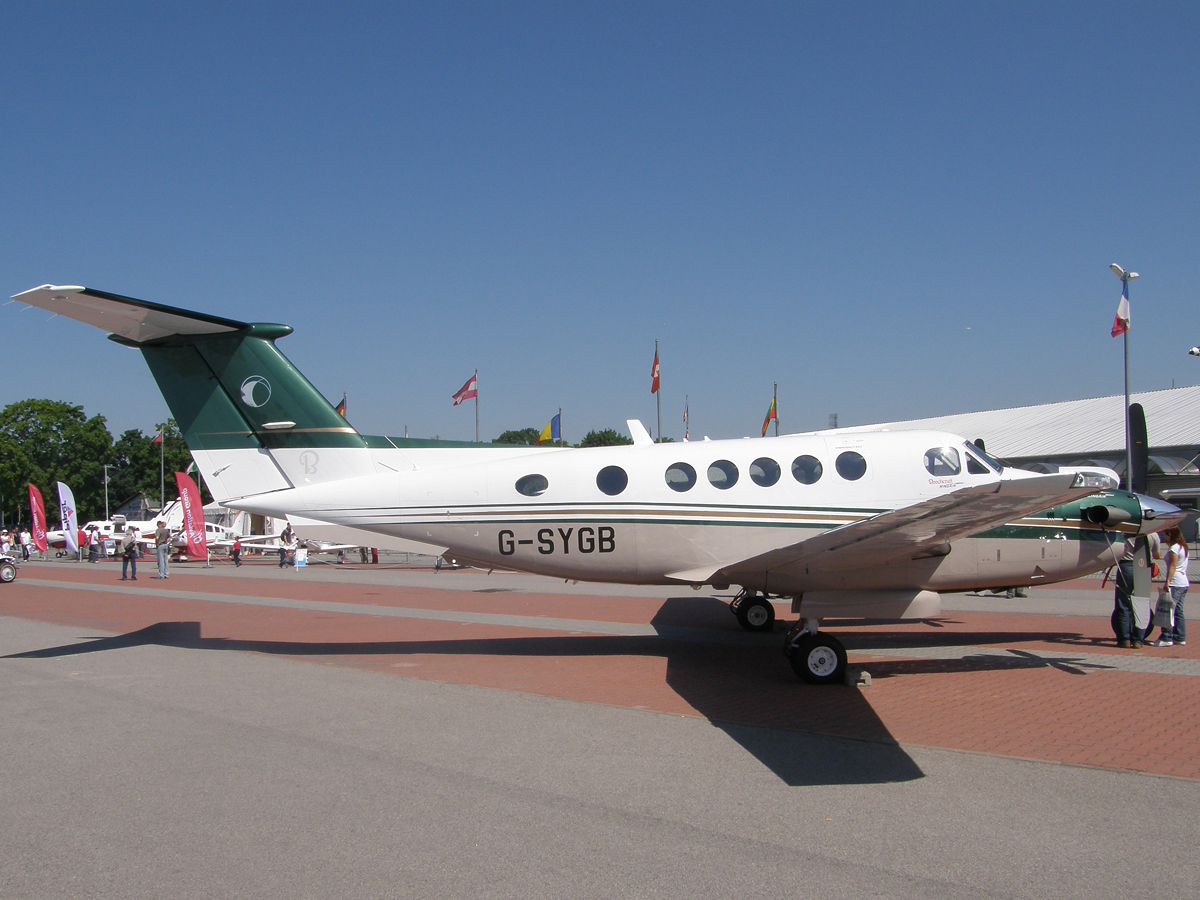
(1121, 322)
(157, 438)
(468, 391)
(193, 515)
(37, 512)
(654, 372)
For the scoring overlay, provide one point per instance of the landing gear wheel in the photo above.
(819, 659)
(7, 572)
(756, 614)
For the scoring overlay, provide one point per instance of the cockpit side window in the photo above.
(988, 460)
(941, 462)
(975, 467)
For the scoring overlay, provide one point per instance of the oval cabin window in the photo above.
(681, 477)
(532, 485)
(806, 469)
(764, 471)
(722, 474)
(850, 465)
(612, 480)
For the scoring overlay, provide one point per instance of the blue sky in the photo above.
(893, 210)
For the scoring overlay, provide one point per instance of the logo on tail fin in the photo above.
(256, 391)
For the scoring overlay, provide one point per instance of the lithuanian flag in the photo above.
(771, 414)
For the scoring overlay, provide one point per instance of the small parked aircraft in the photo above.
(843, 522)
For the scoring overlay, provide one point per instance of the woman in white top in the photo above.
(1177, 582)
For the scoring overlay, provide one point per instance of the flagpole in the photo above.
(775, 404)
(477, 406)
(1128, 441)
(1126, 277)
(658, 395)
(162, 492)
(560, 437)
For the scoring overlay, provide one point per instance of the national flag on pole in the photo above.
(686, 426)
(193, 515)
(654, 373)
(552, 431)
(340, 409)
(1121, 322)
(70, 524)
(37, 512)
(158, 437)
(771, 414)
(468, 391)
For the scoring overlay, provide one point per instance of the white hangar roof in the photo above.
(1072, 428)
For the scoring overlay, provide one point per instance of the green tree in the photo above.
(136, 459)
(528, 436)
(46, 441)
(607, 437)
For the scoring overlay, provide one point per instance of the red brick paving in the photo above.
(1113, 719)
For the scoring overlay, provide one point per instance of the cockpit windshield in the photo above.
(994, 463)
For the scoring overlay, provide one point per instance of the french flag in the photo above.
(1121, 322)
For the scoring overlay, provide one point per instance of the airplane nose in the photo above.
(1158, 514)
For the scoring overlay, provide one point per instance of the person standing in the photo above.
(93, 545)
(162, 546)
(129, 547)
(1177, 584)
(285, 544)
(26, 541)
(237, 551)
(1124, 621)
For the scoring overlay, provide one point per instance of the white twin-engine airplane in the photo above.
(846, 524)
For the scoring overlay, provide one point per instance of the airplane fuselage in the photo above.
(679, 513)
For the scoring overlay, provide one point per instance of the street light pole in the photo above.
(1126, 277)
(107, 466)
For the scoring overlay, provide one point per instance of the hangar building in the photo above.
(1089, 432)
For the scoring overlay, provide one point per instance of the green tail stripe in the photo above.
(223, 389)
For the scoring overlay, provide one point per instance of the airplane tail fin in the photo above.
(253, 422)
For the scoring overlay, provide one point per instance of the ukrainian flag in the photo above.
(552, 431)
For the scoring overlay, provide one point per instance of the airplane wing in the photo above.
(921, 529)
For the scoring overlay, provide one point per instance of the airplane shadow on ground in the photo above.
(804, 734)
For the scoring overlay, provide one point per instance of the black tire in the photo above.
(819, 659)
(7, 572)
(756, 614)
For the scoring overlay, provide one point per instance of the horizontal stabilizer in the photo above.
(137, 321)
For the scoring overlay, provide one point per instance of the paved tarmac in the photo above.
(479, 736)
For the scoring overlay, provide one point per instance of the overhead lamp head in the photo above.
(1195, 351)
(1131, 276)
(1117, 270)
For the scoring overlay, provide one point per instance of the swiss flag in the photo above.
(654, 374)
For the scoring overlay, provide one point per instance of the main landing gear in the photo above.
(817, 658)
(753, 610)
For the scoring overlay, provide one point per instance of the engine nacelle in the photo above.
(1105, 516)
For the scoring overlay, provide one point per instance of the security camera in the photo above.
(1195, 351)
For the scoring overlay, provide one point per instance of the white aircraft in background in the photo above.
(845, 523)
